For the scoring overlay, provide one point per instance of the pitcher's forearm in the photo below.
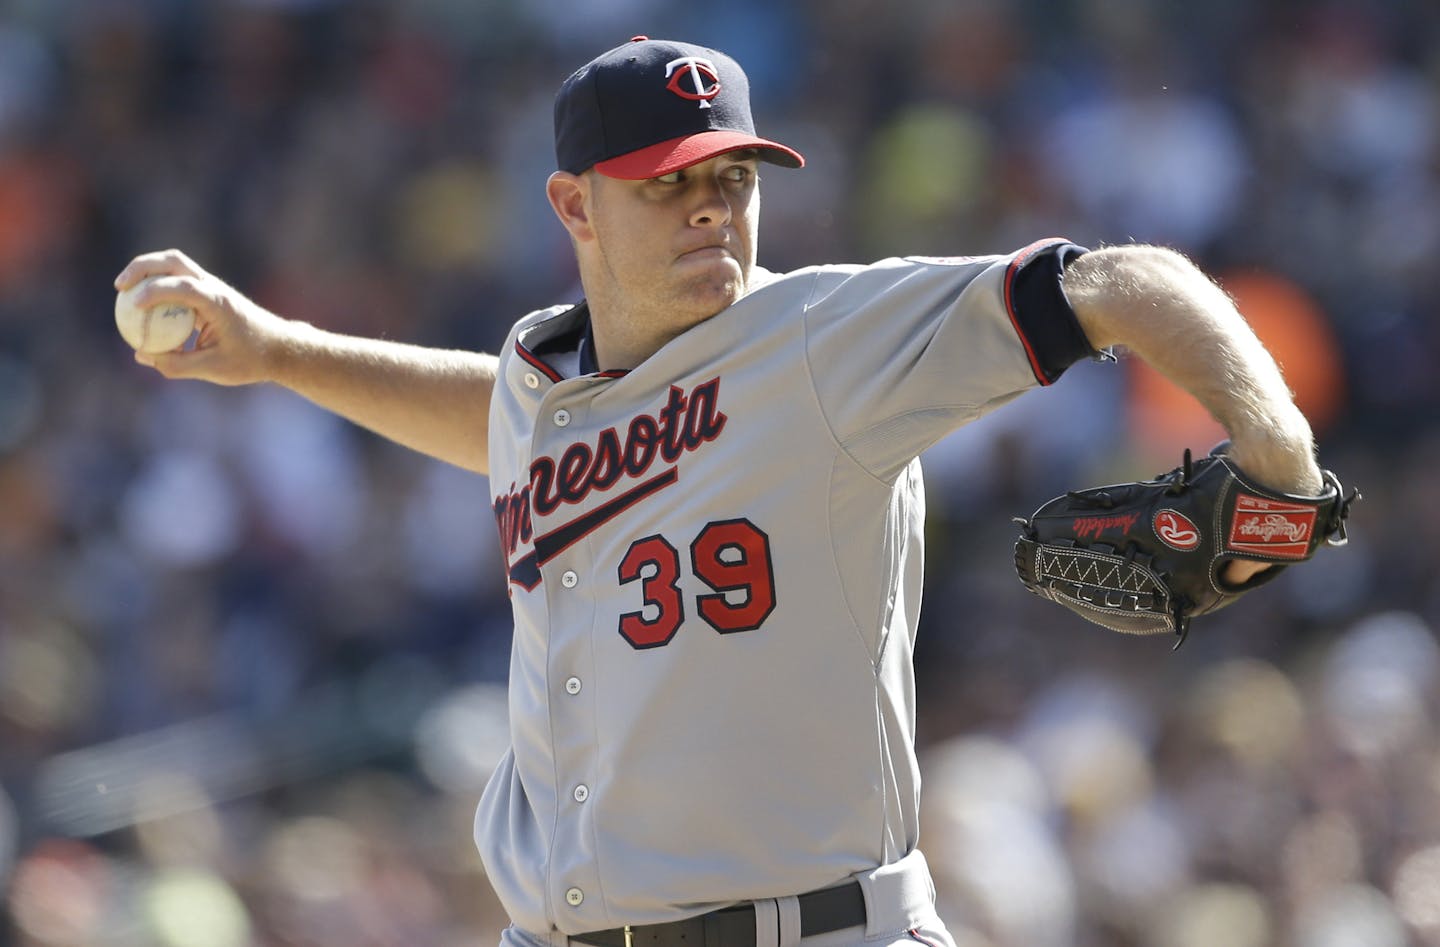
(436, 401)
(1167, 312)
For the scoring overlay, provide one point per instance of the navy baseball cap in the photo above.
(653, 106)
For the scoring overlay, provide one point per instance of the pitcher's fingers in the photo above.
(206, 335)
(181, 363)
(181, 290)
(159, 263)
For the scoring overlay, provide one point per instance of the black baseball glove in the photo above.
(1144, 558)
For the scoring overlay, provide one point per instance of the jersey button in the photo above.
(562, 418)
(532, 380)
(572, 686)
(569, 579)
(582, 792)
(574, 897)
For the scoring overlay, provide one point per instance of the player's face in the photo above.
(681, 247)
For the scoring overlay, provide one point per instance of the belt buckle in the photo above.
(629, 936)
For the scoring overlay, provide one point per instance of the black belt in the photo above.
(830, 909)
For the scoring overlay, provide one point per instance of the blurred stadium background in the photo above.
(252, 659)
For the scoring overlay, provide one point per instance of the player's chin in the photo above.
(712, 304)
(703, 298)
(721, 280)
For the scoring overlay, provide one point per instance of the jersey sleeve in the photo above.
(906, 350)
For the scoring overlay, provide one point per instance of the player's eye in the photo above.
(738, 173)
(674, 177)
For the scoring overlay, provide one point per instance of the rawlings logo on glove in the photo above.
(1145, 557)
(1176, 531)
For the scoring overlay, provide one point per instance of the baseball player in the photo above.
(705, 483)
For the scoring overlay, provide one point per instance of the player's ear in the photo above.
(569, 196)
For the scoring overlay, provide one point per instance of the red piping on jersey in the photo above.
(537, 362)
(1020, 260)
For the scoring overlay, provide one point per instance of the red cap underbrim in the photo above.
(677, 153)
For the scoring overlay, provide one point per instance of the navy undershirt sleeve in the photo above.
(1043, 314)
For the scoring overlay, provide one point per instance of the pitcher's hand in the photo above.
(237, 338)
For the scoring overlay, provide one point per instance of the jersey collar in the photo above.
(556, 342)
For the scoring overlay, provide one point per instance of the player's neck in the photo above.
(621, 345)
(628, 331)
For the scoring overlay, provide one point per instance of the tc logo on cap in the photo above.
(701, 74)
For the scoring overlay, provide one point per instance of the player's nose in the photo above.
(711, 207)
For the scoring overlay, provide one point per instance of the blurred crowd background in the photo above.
(252, 659)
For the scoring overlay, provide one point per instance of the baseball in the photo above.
(162, 328)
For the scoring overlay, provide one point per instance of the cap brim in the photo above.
(682, 152)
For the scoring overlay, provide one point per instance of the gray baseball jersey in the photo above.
(715, 564)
